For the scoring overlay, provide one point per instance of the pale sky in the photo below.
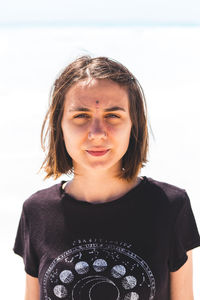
(183, 12)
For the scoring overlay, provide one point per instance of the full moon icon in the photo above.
(100, 265)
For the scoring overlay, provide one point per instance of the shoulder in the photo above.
(175, 196)
(167, 188)
(43, 199)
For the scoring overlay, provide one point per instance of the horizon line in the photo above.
(96, 24)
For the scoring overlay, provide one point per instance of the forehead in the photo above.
(96, 92)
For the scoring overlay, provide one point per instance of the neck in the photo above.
(98, 188)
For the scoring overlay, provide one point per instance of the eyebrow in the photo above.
(114, 108)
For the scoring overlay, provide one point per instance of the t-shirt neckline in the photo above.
(102, 204)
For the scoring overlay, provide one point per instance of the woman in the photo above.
(107, 233)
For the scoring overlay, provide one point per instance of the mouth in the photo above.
(97, 153)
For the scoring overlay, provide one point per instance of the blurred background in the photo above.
(159, 41)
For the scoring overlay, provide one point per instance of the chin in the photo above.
(104, 166)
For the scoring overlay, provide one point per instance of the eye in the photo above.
(112, 116)
(82, 116)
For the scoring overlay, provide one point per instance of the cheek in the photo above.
(73, 136)
(124, 137)
(68, 129)
(122, 132)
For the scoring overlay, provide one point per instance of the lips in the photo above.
(97, 153)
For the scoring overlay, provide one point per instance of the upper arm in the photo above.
(32, 291)
(181, 281)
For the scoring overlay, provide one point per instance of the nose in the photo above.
(97, 130)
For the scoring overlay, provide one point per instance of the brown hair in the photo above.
(58, 161)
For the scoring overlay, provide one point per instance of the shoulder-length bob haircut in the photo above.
(57, 160)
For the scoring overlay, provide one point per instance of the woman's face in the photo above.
(96, 124)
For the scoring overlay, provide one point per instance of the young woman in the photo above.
(107, 233)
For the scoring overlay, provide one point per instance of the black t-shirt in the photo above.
(124, 249)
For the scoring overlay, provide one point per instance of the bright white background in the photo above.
(126, 11)
(165, 59)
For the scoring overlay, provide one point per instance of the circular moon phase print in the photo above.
(96, 271)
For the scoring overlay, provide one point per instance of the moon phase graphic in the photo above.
(98, 271)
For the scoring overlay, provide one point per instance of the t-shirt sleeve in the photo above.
(185, 235)
(23, 246)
